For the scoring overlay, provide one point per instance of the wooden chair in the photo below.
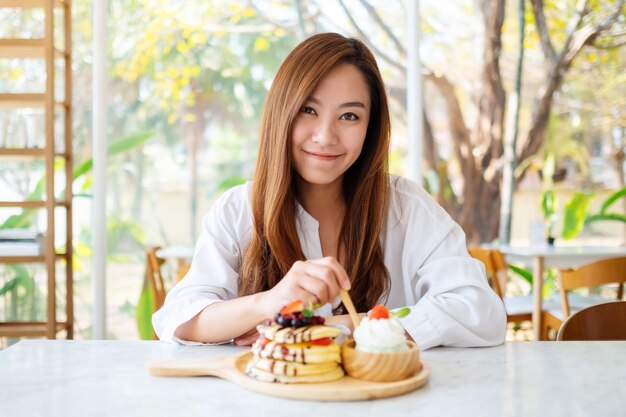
(595, 274)
(155, 277)
(600, 322)
(182, 271)
(518, 308)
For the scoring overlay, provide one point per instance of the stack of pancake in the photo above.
(305, 354)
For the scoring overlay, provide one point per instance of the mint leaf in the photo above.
(307, 313)
(403, 312)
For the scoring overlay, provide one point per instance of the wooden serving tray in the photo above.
(233, 369)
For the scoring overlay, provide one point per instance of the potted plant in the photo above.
(548, 207)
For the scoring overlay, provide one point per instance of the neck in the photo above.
(322, 201)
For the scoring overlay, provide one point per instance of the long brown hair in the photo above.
(274, 244)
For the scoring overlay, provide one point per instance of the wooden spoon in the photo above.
(347, 302)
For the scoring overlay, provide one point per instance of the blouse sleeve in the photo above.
(214, 271)
(454, 304)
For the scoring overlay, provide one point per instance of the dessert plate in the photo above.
(233, 369)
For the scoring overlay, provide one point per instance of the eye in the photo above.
(349, 116)
(307, 109)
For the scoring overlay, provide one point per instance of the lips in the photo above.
(322, 156)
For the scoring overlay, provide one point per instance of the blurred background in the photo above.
(187, 81)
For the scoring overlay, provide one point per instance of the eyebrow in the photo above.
(347, 104)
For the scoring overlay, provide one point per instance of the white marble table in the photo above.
(109, 378)
(541, 257)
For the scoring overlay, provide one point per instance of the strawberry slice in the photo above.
(323, 341)
(293, 307)
(378, 312)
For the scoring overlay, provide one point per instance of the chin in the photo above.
(321, 179)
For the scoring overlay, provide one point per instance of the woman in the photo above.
(321, 213)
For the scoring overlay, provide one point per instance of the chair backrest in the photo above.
(600, 322)
(495, 266)
(607, 271)
(157, 284)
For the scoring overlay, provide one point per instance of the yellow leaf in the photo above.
(261, 44)
(16, 73)
(171, 119)
(182, 47)
(190, 117)
(172, 73)
(198, 38)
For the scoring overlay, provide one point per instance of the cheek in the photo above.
(298, 133)
(358, 139)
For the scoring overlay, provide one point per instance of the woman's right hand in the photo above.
(317, 281)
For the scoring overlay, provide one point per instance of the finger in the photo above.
(326, 275)
(252, 331)
(295, 291)
(247, 340)
(315, 286)
(342, 276)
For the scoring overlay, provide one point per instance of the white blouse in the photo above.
(425, 253)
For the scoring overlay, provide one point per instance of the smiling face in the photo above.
(329, 132)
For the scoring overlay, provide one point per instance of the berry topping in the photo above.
(293, 307)
(378, 312)
(296, 315)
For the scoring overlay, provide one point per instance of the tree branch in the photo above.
(377, 51)
(374, 15)
(575, 41)
(575, 38)
(612, 17)
(611, 46)
(544, 35)
(587, 34)
(430, 150)
(458, 130)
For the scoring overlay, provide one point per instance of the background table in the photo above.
(541, 257)
(109, 378)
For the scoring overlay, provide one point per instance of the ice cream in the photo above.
(380, 332)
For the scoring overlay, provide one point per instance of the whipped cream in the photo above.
(380, 335)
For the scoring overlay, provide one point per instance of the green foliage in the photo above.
(230, 182)
(117, 147)
(191, 61)
(549, 283)
(121, 146)
(143, 311)
(122, 235)
(20, 292)
(22, 298)
(548, 208)
(548, 203)
(523, 273)
(577, 212)
(612, 199)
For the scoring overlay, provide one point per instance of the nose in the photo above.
(325, 133)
